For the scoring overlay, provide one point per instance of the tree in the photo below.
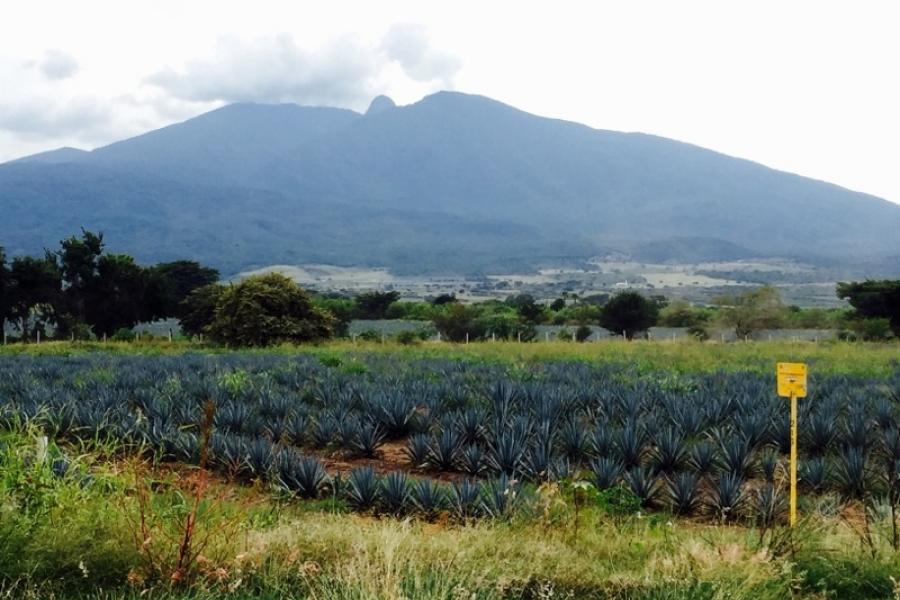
(118, 295)
(459, 320)
(526, 307)
(874, 299)
(629, 312)
(268, 309)
(373, 305)
(197, 312)
(172, 282)
(558, 304)
(5, 289)
(751, 311)
(35, 289)
(443, 299)
(78, 260)
(343, 311)
(681, 314)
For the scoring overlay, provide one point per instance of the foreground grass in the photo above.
(78, 536)
(825, 358)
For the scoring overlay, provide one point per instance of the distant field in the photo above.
(824, 358)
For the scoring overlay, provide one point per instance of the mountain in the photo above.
(60, 155)
(452, 183)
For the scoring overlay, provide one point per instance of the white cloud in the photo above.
(408, 44)
(44, 118)
(57, 64)
(347, 71)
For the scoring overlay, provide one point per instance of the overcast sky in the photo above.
(810, 87)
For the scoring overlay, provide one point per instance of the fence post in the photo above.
(467, 337)
(520, 337)
(38, 331)
(170, 334)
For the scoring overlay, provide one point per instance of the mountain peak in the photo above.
(380, 104)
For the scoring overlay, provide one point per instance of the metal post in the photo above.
(793, 459)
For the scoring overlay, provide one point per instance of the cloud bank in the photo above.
(347, 72)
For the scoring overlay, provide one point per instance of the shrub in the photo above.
(265, 310)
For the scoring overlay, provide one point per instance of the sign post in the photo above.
(791, 378)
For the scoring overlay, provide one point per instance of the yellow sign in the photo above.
(791, 380)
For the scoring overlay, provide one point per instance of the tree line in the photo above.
(80, 290)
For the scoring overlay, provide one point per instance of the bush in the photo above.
(123, 334)
(265, 310)
(408, 337)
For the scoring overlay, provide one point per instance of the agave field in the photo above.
(478, 438)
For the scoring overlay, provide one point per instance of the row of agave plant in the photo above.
(707, 442)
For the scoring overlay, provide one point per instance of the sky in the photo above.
(809, 87)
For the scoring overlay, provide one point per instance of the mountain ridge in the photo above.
(483, 166)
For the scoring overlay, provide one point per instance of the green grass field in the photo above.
(824, 358)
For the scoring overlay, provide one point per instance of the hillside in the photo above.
(453, 183)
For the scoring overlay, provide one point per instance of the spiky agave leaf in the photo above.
(324, 431)
(465, 499)
(727, 497)
(394, 493)
(670, 451)
(417, 449)
(573, 439)
(644, 484)
(443, 450)
(472, 460)
(735, 455)
(369, 438)
(500, 497)
(607, 472)
(301, 475)
(362, 488)
(629, 444)
(702, 457)
(428, 496)
(813, 473)
(684, 493)
(851, 471)
(506, 453)
(768, 506)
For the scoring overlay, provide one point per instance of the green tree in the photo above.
(198, 311)
(557, 305)
(443, 299)
(78, 260)
(5, 289)
(681, 314)
(373, 305)
(526, 307)
(172, 282)
(874, 299)
(118, 295)
(629, 312)
(457, 320)
(751, 311)
(342, 309)
(268, 309)
(34, 292)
